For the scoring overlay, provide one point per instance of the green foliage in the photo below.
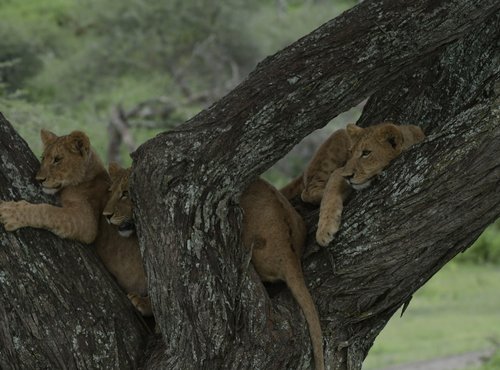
(18, 59)
(203, 47)
(274, 29)
(486, 249)
(196, 41)
(28, 118)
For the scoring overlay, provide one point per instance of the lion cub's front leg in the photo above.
(330, 156)
(330, 211)
(13, 215)
(76, 223)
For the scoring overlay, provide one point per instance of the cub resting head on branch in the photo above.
(349, 159)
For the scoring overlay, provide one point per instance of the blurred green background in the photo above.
(124, 70)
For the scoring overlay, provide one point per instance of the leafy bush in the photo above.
(18, 59)
(200, 44)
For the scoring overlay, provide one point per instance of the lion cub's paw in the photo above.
(10, 215)
(142, 304)
(311, 196)
(327, 228)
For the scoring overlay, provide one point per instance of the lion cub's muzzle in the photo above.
(350, 180)
(46, 188)
(126, 227)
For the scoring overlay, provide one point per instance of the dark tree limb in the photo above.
(59, 307)
(210, 306)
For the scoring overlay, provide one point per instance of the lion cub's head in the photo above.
(118, 210)
(373, 148)
(65, 160)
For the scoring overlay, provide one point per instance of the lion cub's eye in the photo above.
(124, 194)
(366, 153)
(56, 160)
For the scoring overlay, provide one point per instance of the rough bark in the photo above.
(59, 307)
(432, 203)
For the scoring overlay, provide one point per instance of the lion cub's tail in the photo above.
(296, 284)
(294, 188)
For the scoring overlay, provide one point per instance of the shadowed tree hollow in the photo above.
(434, 64)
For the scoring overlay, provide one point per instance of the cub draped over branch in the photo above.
(276, 235)
(349, 159)
(72, 169)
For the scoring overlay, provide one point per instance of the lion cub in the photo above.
(71, 168)
(276, 234)
(349, 158)
(118, 212)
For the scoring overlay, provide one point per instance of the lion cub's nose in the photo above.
(108, 216)
(348, 177)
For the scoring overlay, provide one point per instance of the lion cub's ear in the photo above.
(79, 143)
(391, 134)
(354, 131)
(47, 137)
(114, 168)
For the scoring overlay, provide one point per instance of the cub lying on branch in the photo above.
(272, 229)
(349, 158)
(71, 168)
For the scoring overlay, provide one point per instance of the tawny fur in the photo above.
(276, 234)
(349, 159)
(71, 168)
(118, 211)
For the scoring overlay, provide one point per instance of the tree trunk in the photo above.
(433, 63)
(59, 307)
(431, 204)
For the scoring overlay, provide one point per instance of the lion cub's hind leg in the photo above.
(142, 304)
